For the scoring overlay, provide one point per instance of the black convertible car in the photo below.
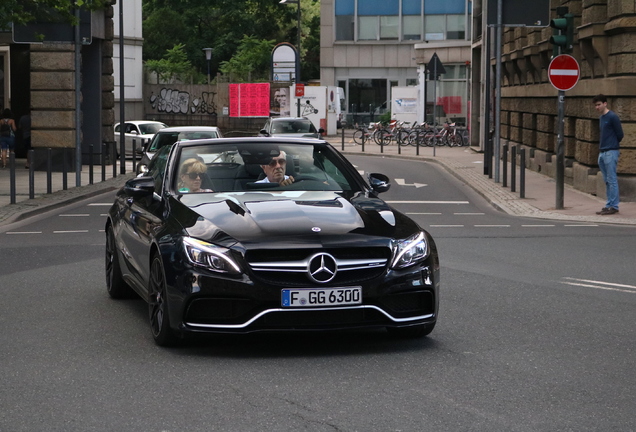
(237, 235)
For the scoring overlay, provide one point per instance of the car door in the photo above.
(143, 218)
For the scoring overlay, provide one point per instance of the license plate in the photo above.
(308, 297)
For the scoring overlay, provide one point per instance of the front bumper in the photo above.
(206, 303)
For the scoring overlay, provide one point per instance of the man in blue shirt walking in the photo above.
(611, 136)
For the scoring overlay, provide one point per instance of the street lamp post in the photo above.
(297, 2)
(208, 57)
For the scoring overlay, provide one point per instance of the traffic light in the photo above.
(563, 37)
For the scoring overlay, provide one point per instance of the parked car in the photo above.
(300, 127)
(139, 130)
(319, 251)
(171, 135)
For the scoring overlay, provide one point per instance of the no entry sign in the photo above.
(564, 72)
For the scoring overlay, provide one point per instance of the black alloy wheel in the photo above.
(158, 306)
(115, 284)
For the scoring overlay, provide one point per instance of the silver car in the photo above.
(139, 130)
(171, 135)
(290, 127)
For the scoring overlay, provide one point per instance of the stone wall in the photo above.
(605, 48)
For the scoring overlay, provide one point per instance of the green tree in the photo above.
(174, 66)
(222, 24)
(251, 61)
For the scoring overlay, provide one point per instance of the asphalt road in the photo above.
(536, 333)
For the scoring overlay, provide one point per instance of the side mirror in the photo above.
(321, 131)
(379, 182)
(140, 187)
(264, 132)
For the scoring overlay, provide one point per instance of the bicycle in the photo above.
(362, 133)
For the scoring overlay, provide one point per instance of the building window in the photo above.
(411, 27)
(344, 27)
(407, 20)
(345, 11)
(389, 27)
(366, 95)
(368, 28)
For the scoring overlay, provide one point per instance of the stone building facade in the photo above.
(43, 82)
(605, 48)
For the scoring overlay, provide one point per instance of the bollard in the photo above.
(134, 151)
(417, 142)
(342, 129)
(363, 136)
(513, 169)
(64, 178)
(90, 164)
(104, 152)
(522, 173)
(49, 171)
(505, 165)
(31, 176)
(114, 158)
(12, 176)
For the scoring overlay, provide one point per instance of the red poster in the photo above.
(249, 100)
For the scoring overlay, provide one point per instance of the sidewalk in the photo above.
(464, 162)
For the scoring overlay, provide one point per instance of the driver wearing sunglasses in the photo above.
(191, 176)
(275, 171)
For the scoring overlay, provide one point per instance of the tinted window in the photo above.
(238, 167)
(157, 167)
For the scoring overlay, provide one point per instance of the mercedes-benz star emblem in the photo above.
(322, 268)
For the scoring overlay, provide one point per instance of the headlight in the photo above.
(410, 251)
(209, 256)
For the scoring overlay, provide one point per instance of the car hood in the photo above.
(284, 217)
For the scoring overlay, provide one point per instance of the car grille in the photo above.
(408, 304)
(220, 310)
(288, 268)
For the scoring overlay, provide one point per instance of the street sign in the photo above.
(300, 90)
(564, 72)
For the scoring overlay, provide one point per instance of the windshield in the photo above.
(151, 128)
(163, 139)
(257, 167)
(293, 126)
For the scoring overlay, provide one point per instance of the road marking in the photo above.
(599, 285)
(537, 226)
(100, 204)
(469, 214)
(428, 214)
(401, 182)
(74, 215)
(492, 226)
(446, 226)
(70, 232)
(427, 202)
(581, 225)
(24, 232)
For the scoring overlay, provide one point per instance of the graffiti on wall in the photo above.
(173, 101)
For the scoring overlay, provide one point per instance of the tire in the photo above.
(377, 136)
(413, 332)
(458, 139)
(430, 139)
(357, 136)
(115, 284)
(158, 316)
(386, 138)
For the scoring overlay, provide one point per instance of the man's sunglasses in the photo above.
(273, 162)
(194, 175)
